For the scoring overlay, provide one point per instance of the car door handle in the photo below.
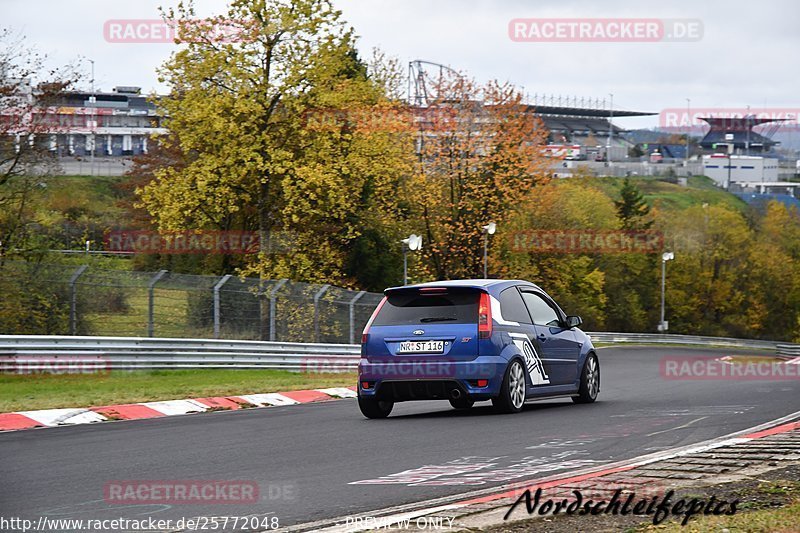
(542, 337)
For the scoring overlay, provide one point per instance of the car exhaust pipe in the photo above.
(455, 394)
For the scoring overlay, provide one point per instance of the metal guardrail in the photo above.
(668, 338)
(39, 353)
(788, 350)
(60, 353)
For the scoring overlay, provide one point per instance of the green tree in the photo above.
(632, 209)
(632, 281)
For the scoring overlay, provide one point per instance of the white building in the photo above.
(725, 169)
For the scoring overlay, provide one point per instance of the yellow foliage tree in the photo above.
(239, 108)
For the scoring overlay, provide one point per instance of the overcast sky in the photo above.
(749, 52)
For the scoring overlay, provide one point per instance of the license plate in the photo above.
(421, 347)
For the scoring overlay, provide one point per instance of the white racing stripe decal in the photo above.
(532, 359)
(497, 313)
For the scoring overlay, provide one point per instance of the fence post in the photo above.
(217, 287)
(73, 298)
(272, 307)
(353, 316)
(316, 310)
(150, 289)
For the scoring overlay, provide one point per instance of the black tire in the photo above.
(510, 400)
(462, 403)
(590, 381)
(374, 408)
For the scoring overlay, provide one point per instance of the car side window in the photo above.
(512, 307)
(540, 310)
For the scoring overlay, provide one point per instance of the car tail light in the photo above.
(483, 383)
(365, 334)
(484, 317)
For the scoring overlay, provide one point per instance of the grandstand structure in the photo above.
(738, 132)
(570, 120)
(576, 123)
(86, 123)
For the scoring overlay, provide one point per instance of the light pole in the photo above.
(610, 128)
(413, 243)
(747, 125)
(730, 148)
(689, 130)
(666, 256)
(93, 101)
(487, 230)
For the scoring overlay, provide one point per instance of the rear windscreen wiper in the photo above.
(437, 319)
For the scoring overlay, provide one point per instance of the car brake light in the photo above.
(365, 334)
(484, 317)
(433, 290)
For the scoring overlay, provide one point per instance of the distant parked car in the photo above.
(473, 340)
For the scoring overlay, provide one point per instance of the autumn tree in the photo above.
(479, 155)
(706, 289)
(773, 275)
(239, 108)
(27, 88)
(31, 303)
(574, 280)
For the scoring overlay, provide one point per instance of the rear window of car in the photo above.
(413, 308)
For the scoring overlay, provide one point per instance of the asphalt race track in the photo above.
(307, 458)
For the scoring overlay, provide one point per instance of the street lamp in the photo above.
(92, 125)
(488, 229)
(413, 243)
(689, 132)
(747, 125)
(666, 256)
(610, 128)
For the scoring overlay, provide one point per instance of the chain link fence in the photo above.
(50, 299)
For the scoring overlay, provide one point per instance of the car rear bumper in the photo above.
(407, 380)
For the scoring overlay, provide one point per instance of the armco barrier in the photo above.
(659, 338)
(788, 350)
(38, 353)
(133, 353)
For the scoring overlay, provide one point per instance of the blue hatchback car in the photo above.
(473, 340)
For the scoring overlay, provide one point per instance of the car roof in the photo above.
(492, 286)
